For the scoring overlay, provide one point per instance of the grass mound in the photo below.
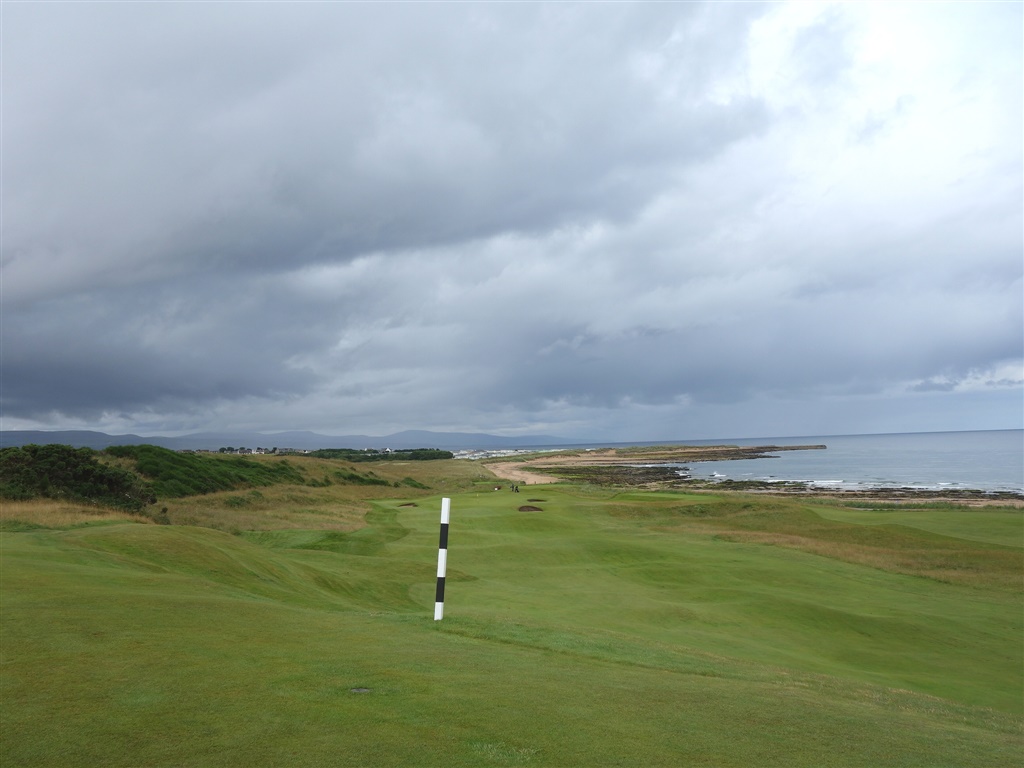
(174, 474)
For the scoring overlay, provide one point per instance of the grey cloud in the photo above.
(247, 149)
(118, 349)
(372, 217)
(934, 385)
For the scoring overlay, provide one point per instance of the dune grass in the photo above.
(49, 513)
(604, 629)
(330, 494)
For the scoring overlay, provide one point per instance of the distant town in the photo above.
(462, 454)
(242, 451)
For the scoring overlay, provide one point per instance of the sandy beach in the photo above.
(515, 472)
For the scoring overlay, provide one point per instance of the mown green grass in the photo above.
(606, 629)
(995, 525)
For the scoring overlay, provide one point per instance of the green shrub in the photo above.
(354, 478)
(174, 475)
(74, 474)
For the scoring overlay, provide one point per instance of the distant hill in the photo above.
(302, 440)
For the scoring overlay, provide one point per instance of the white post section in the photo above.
(442, 559)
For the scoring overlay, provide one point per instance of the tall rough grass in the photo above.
(46, 513)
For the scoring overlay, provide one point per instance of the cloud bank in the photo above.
(614, 221)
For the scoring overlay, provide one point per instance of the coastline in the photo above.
(532, 468)
(660, 467)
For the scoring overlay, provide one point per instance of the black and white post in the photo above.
(442, 560)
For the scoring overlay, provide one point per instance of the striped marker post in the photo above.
(442, 560)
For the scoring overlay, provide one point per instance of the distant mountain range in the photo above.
(299, 440)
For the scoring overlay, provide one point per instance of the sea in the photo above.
(991, 461)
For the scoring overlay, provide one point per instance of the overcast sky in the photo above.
(598, 221)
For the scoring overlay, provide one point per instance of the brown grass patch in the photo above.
(61, 514)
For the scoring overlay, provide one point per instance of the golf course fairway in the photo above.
(594, 628)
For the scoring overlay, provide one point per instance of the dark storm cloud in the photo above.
(130, 349)
(277, 135)
(605, 220)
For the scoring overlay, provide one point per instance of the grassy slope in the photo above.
(992, 525)
(605, 630)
